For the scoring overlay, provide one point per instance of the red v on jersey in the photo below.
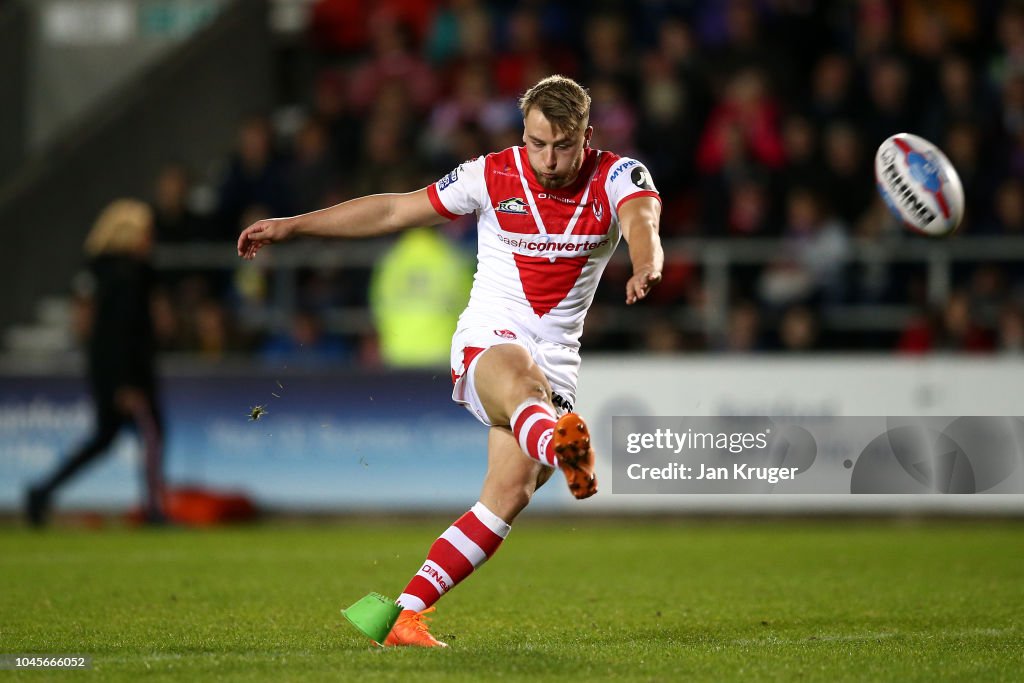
(546, 281)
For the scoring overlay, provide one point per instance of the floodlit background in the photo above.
(788, 288)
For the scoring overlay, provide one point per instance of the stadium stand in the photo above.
(757, 120)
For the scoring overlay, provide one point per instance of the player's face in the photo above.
(555, 157)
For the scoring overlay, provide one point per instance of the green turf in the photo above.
(586, 599)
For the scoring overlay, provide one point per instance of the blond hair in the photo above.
(124, 226)
(563, 101)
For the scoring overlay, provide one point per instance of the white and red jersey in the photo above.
(541, 251)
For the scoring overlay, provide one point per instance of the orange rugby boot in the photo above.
(571, 443)
(411, 631)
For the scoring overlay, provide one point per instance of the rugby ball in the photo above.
(919, 185)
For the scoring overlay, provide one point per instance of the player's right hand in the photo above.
(261, 233)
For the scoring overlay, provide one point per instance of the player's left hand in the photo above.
(642, 282)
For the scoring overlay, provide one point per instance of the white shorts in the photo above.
(560, 364)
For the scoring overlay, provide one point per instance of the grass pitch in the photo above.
(631, 600)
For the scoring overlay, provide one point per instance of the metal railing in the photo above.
(714, 258)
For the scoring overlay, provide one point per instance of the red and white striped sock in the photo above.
(533, 425)
(466, 545)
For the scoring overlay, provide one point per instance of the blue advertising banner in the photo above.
(367, 441)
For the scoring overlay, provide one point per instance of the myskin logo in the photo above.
(512, 205)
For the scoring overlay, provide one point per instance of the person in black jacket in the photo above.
(120, 352)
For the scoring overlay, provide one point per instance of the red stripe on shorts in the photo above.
(469, 354)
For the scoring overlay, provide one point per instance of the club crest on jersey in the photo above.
(506, 334)
(598, 210)
(513, 205)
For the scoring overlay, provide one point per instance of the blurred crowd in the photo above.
(757, 118)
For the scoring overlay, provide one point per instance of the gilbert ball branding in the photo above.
(919, 185)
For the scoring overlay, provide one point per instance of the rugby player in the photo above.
(550, 214)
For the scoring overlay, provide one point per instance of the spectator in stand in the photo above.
(473, 105)
(798, 330)
(1008, 209)
(213, 337)
(166, 322)
(800, 142)
(305, 344)
(743, 331)
(255, 177)
(890, 108)
(1011, 330)
(526, 50)
(988, 289)
(962, 144)
(313, 175)
(848, 179)
(176, 223)
(740, 44)
(174, 220)
(331, 106)
(345, 26)
(961, 331)
(392, 63)
(607, 51)
(930, 32)
(1009, 59)
(613, 118)
(750, 211)
(832, 96)
(443, 32)
(959, 99)
(955, 330)
(820, 241)
(747, 117)
(875, 32)
(1011, 142)
(392, 109)
(674, 100)
(661, 337)
(918, 334)
(385, 166)
(339, 25)
(811, 266)
(740, 144)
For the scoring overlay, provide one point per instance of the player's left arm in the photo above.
(639, 219)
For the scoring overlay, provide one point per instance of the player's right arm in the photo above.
(376, 214)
